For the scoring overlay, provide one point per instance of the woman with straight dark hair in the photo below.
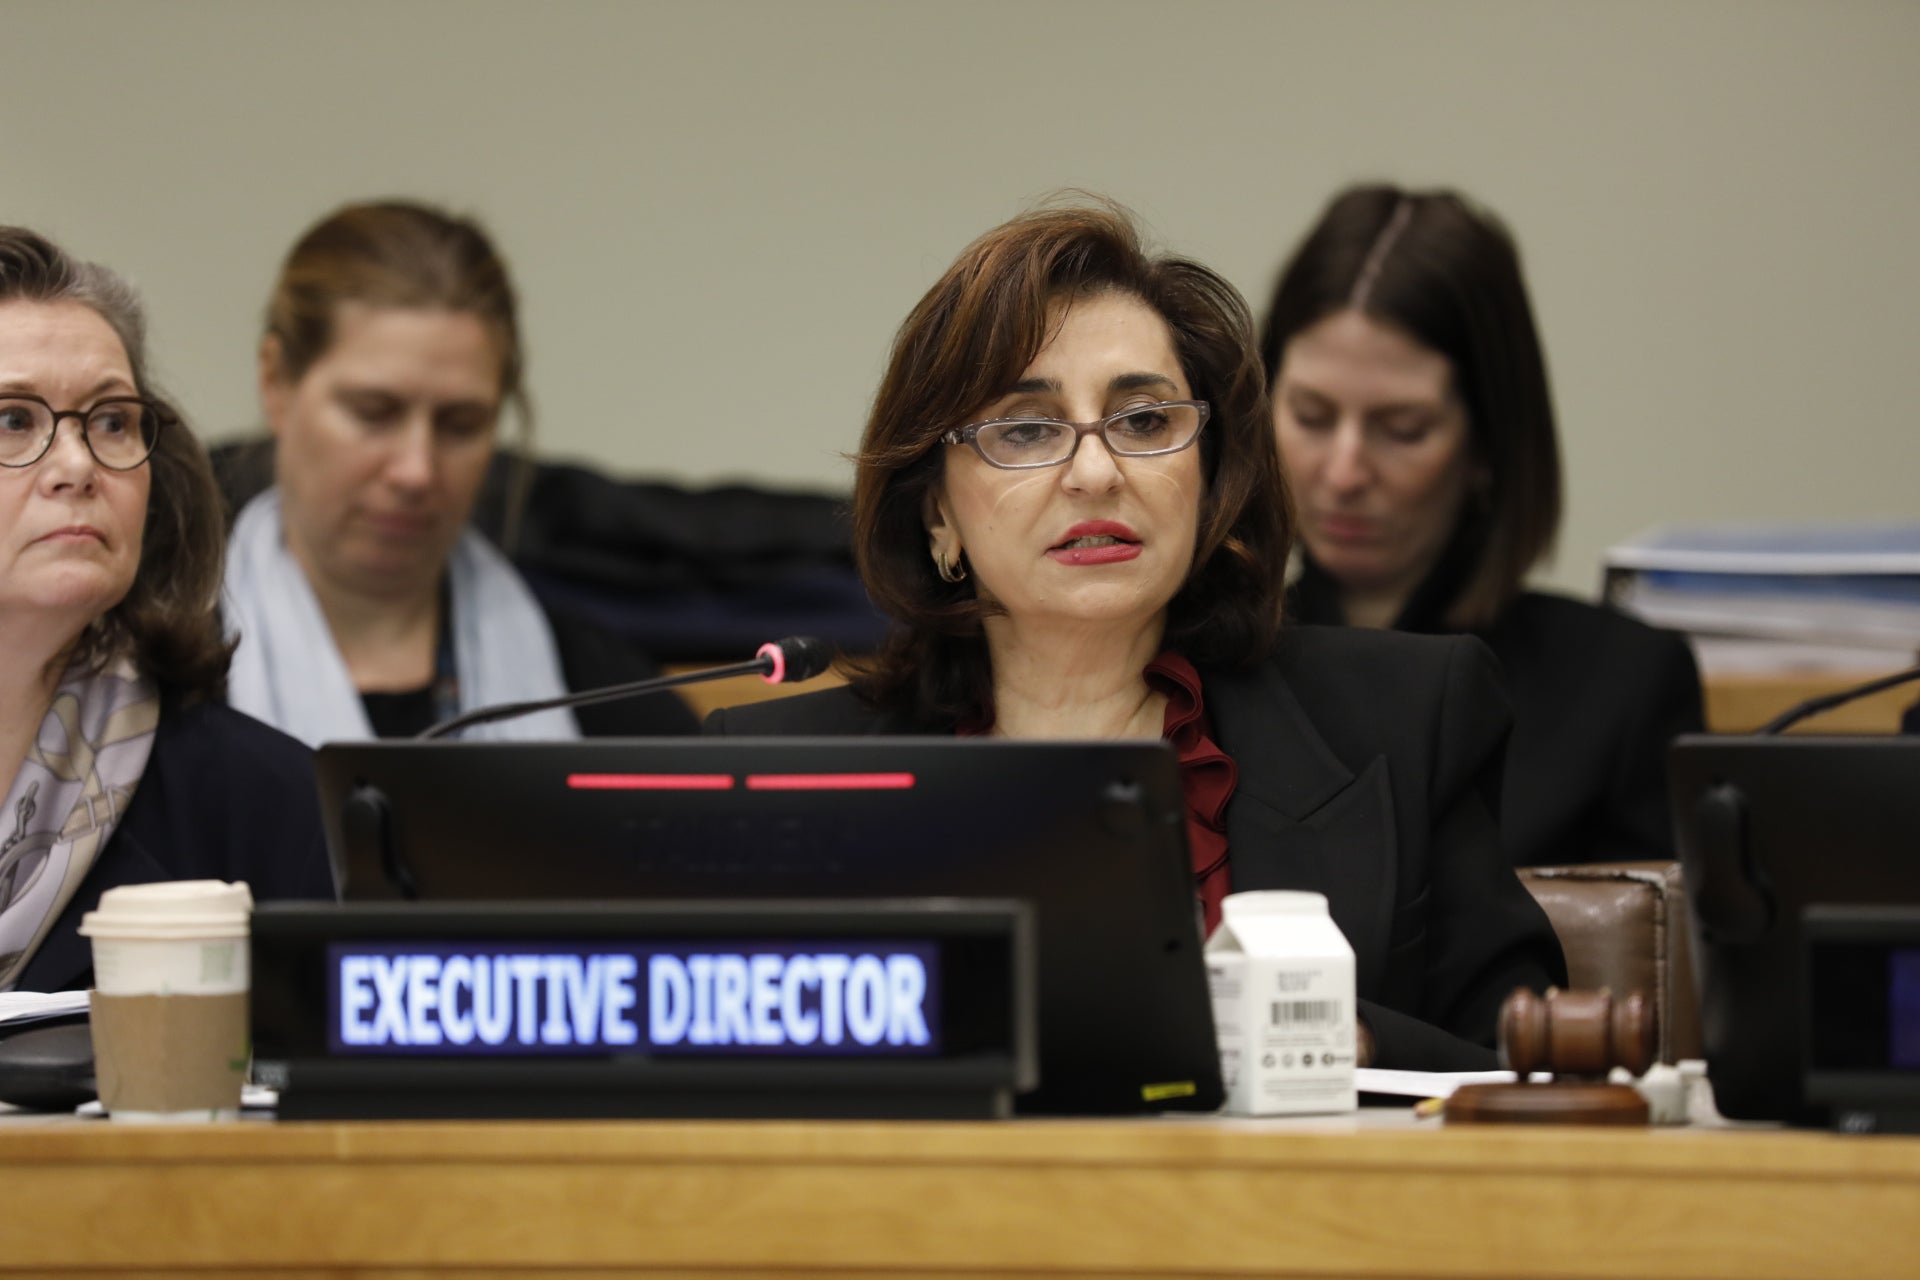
(1416, 427)
(1069, 501)
(118, 763)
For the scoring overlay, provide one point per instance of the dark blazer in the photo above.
(1369, 770)
(1597, 698)
(224, 797)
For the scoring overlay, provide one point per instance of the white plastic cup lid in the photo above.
(170, 908)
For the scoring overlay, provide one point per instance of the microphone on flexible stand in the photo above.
(781, 662)
(1826, 702)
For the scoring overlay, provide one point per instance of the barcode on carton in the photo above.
(1294, 1013)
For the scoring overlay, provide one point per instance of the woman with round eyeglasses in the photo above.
(363, 602)
(118, 761)
(1414, 418)
(1069, 500)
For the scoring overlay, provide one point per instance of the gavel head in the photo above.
(1576, 1033)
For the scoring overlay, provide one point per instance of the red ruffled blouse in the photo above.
(1207, 776)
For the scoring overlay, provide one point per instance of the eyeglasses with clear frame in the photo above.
(1140, 431)
(120, 432)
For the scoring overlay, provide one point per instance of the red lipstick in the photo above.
(1096, 542)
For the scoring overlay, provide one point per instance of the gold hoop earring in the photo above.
(953, 571)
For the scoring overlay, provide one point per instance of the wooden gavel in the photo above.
(1579, 1036)
(1576, 1034)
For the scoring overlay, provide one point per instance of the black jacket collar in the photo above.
(1300, 817)
(1293, 769)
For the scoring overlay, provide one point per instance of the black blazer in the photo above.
(224, 797)
(1597, 699)
(1369, 770)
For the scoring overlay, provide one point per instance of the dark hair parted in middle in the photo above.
(965, 344)
(1447, 273)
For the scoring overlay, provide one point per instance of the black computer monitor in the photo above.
(1765, 828)
(1092, 834)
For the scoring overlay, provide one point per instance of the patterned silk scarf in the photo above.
(71, 791)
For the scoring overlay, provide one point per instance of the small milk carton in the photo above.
(1281, 975)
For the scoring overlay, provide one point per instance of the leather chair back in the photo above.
(1624, 926)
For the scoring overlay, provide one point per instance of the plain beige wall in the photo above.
(718, 212)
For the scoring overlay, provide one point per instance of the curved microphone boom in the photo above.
(785, 661)
(1826, 702)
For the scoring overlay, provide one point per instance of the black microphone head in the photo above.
(796, 658)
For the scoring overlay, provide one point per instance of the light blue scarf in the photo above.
(288, 672)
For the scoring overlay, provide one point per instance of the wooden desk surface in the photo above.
(1369, 1196)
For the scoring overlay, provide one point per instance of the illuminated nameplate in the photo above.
(710, 997)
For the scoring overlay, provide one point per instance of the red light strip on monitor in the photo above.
(650, 781)
(829, 781)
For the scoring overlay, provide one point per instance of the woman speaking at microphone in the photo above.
(363, 603)
(1068, 498)
(118, 762)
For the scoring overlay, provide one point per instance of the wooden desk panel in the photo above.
(1738, 702)
(1376, 1196)
(737, 690)
(1734, 702)
(1742, 702)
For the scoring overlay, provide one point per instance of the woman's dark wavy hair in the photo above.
(169, 620)
(1447, 272)
(967, 341)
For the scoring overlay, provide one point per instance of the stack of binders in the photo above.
(1778, 596)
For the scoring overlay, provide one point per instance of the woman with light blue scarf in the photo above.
(363, 603)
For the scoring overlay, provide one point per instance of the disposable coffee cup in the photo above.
(169, 1003)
